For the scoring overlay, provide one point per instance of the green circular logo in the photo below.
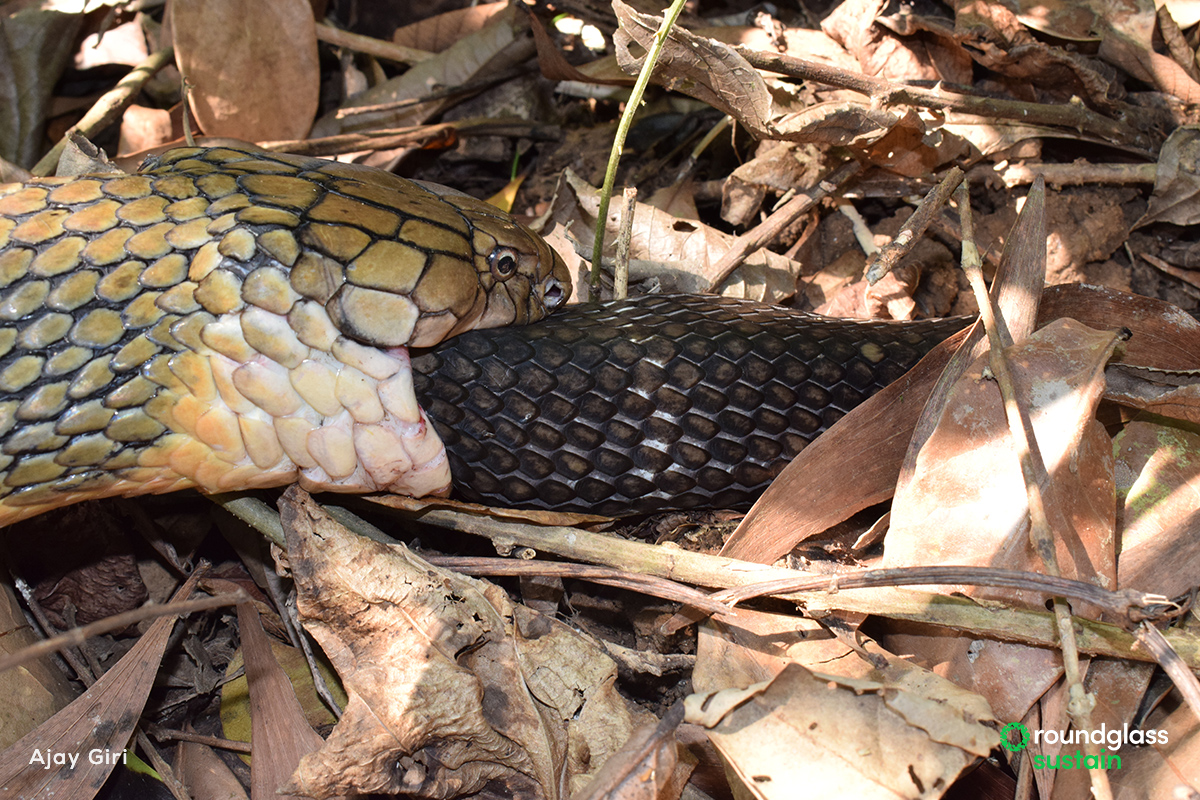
(1006, 737)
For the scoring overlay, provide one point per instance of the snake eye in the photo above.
(503, 262)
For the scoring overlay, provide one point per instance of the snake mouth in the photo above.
(553, 293)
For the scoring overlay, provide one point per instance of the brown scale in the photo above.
(174, 327)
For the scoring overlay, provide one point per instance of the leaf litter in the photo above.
(456, 687)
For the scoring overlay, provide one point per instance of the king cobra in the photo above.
(227, 319)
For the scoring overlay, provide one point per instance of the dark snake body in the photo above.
(656, 403)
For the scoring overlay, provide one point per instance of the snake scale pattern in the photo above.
(230, 319)
(662, 402)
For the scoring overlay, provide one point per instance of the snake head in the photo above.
(455, 264)
(523, 278)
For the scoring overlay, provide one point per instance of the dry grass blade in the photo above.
(71, 754)
(280, 734)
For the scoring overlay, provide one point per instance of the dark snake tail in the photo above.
(657, 403)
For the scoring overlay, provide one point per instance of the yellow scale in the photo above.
(231, 319)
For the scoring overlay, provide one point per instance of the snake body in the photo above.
(655, 403)
(229, 319)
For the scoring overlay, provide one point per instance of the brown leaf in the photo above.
(967, 502)
(253, 66)
(1143, 63)
(680, 253)
(1162, 769)
(1159, 492)
(450, 685)
(280, 733)
(1164, 337)
(903, 149)
(1177, 181)
(707, 70)
(493, 48)
(36, 691)
(435, 34)
(778, 166)
(1172, 394)
(205, 775)
(838, 123)
(747, 646)
(645, 765)
(809, 729)
(898, 47)
(51, 761)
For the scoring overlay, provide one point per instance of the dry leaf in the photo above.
(709, 71)
(1163, 336)
(1143, 63)
(280, 734)
(898, 47)
(1120, 684)
(205, 775)
(837, 123)
(452, 688)
(646, 766)
(1158, 468)
(52, 760)
(491, 49)
(236, 705)
(967, 502)
(435, 34)
(1177, 181)
(252, 66)
(680, 253)
(1082, 20)
(747, 647)
(37, 690)
(36, 45)
(1172, 394)
(901, 733)
(1164, 770)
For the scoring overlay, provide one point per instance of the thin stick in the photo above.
(890, 254)
(624, 237)
(117, 622)
(1016, 624)
(1033, 470)
(388, 51)
(758, 236)
(107, 109)
(1076, 116)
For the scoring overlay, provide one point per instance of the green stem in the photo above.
(614, 157)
